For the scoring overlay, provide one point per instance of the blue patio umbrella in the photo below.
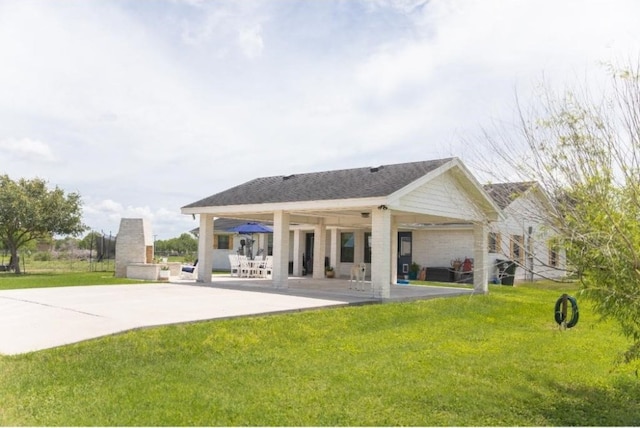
(249, 229)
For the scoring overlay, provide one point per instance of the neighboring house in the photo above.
(523, 235)
(354, 215)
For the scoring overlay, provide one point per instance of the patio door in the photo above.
(308, 253)
(404, 253)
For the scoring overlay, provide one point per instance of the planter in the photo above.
(163, 275)
(330, 273)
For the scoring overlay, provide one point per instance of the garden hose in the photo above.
(561, 311)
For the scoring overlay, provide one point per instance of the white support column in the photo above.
(480, 258)
(381, 253)
(334, 259)
(262, 244)
(319, 249)
(205, 248)
(358, 246)
(280, 249)
(297, 252)
(394, 253)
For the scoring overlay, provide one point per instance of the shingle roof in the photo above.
(505, 193)
(340, 184)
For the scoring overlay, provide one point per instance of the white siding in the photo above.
(524, 213)
(443, 197)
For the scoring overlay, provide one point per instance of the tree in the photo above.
(89, 242)
(29, 211)
(184, 244)
(585, 151)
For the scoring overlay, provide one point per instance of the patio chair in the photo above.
(266, 269)
(246, 270)
(189, 271)
(234, 262)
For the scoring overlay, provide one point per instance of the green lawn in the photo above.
(498, 359)
(10, 280)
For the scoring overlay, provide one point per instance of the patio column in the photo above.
(394, 253)
(333, 251)
(358, 246)
(280, 249)
(297, 252)
(381, 252)
(480, 258)
(319, 249)
(205, 248)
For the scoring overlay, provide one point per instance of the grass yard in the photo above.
(54, 279)
(498, 359)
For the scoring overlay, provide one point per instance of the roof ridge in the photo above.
(382, 166)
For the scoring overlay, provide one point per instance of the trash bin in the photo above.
(506, 271)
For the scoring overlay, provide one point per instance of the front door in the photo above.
(308, 253)
(404, 254)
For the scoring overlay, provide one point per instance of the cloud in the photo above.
(220, 26)
(251, 43)
(106, 214)
(144, 107)
(25, 149)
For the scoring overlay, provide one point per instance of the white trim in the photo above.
(298, 206)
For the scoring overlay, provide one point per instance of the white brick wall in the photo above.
(134, 236)
(436, 248)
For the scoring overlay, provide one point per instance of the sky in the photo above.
(143, 107)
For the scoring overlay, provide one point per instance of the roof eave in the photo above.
(329, 204)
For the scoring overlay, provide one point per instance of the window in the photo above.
(367, 247)
(222, 242)
(517, 248)
(346, 247)
(553, 253)
(494, 242)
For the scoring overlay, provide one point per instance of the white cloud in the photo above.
(105, 215)
(148, 106)
(25, 149)
(251, 43)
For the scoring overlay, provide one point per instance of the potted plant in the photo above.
(164, 273)
(329, 272)
(413, 271)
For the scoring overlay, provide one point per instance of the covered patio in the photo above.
(339, 289)
(382, 200)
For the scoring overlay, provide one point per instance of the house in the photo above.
(353, 215)
(523, 235)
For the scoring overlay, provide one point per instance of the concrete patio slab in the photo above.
(35, 319)
(41, 318)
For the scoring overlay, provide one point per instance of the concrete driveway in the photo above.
(41, 318)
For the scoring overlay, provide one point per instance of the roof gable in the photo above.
(505, 193)
(328, 185)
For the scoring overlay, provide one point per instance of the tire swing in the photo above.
(561, 311)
